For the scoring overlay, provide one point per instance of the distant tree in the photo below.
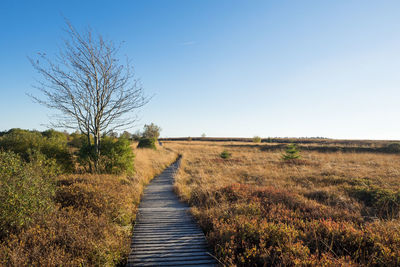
(113, 134)
(126, 135)
(137, 135)
(203, 135)
(257, 139)
(151, 131)
(88, 87)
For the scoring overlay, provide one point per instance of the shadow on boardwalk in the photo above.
(165, 234)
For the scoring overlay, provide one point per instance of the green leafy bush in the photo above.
(291, 153)
(257, 139)
(147, 143)
(50, 143)
(86, 155)
(77, 140)
(225, 154)
(116, 156)
(26, 190)
(53, 134)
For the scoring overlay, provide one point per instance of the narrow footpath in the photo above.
(165, 234)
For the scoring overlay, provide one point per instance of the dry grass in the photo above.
(91, 224)
(328, 208)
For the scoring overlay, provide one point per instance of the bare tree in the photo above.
(89, 87)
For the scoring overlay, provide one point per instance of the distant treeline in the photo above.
(392, 148)
(284, 140)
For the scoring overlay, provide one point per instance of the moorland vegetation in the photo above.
(329, 208)
(53, 212)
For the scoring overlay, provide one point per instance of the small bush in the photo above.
(384, 203)
(325, 197)
(86, 155)
(392, 148)
(147, 143)
(26, 190)
(116, 156)
(291, 153)
(77, 140)
(257, 139)
(225, 154)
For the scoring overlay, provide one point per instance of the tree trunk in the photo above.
(96, 151)
(89, 144)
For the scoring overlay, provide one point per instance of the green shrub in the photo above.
(392, 148)
(26, 190)
(257, 139)
(50, 143)
(147, 143)
(291, 153)
(77, 140)
(86, 155)
(225, 154)
(385, 203)
(116, 156)
(53, 134)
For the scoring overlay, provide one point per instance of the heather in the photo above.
(51, 216)
(325, 208)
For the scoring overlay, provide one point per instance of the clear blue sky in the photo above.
(227, 68)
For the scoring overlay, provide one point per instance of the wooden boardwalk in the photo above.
(165, 234)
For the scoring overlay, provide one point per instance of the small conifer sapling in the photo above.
(291, 153)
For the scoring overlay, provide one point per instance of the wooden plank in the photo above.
(172, 257)
(176, 242)
(167, 251)
(166, 236)
(207, 263)
(140, 247)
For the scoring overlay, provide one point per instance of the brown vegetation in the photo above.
(329, 208)
(91, 221)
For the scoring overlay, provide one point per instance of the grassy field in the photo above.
(328, 208)
(84, 220)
